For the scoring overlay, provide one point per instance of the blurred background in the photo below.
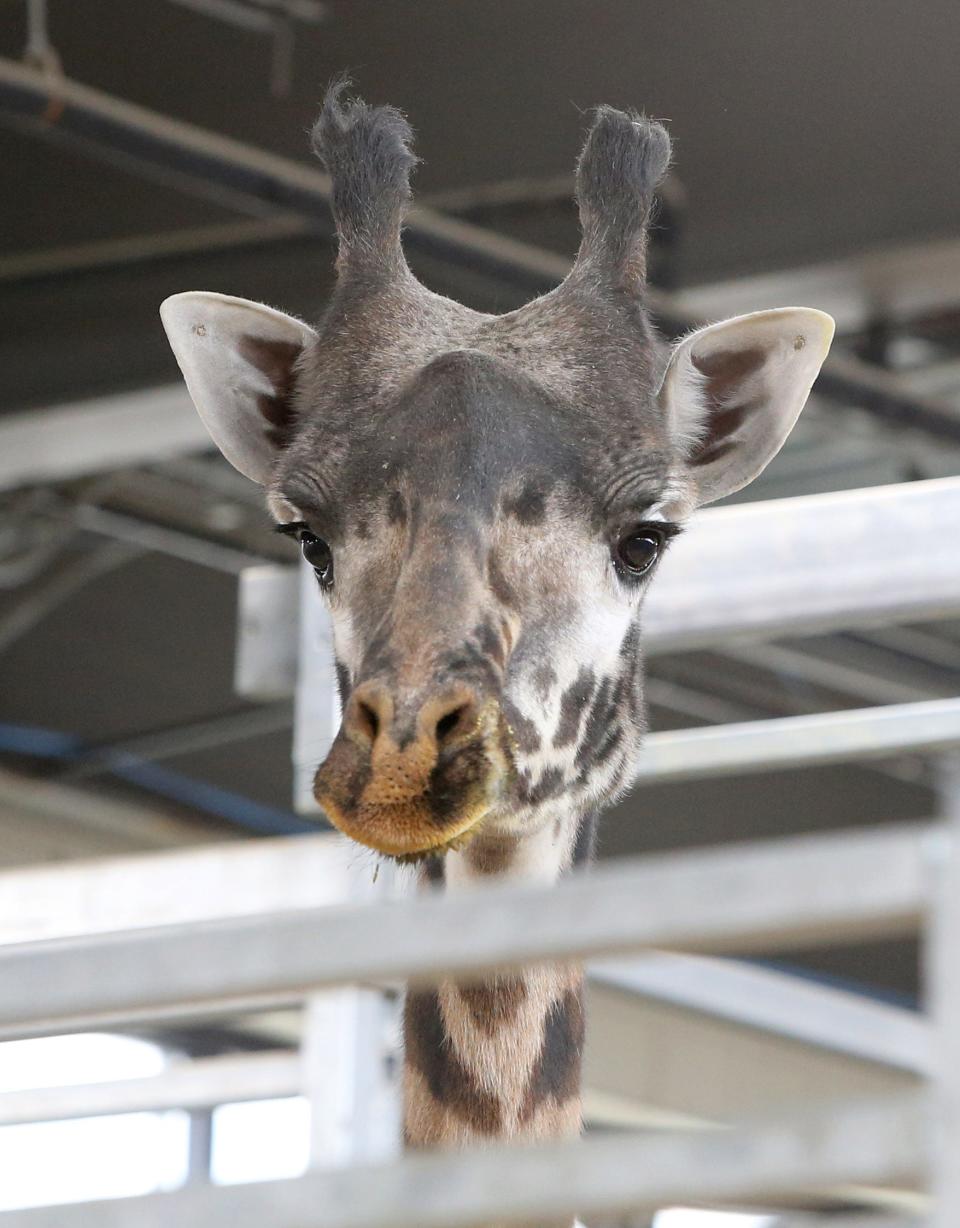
(815, 163)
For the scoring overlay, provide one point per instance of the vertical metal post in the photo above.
(350, 1054)
(943, 978)
(317, 704)
(199, 1147)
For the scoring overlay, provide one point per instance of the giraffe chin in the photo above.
(405, 831)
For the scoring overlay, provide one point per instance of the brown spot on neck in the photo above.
(491, 854)
(449, 1082)
(494, 1004)
(556, 1075)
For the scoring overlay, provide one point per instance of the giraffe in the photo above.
(484, 500)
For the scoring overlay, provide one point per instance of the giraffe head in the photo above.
(484, 499)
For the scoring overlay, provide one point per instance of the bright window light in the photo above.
(94, 1157)
(690, 1217)
(91, 1057)
(264, 1140)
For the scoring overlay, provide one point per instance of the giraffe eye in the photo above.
(317, 553)
(638, 551)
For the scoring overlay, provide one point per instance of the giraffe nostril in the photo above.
(451, 722)
(368, 720)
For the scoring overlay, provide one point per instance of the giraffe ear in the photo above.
(733, 391)
(239, 363)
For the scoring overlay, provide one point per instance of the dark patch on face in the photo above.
(469, 664)
(500, 585)
(597, 720)
(494, 1004)
(379, 658)
(556, 1075)
(544, 680)
(343, 681)
(529, 506)
(450, 1083)
(632, 658)
(599, 753)
(490, 642)
(550, 784)
(454, 778)
(572, 705)
(344, 774)
(630, 645)
(619, 778)
(525, 732)
(585, 846)
(396, 508)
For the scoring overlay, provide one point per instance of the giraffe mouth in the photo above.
(411, 816)
(402, 831)
(411, 803)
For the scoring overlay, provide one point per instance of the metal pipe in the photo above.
(801, 741)
(766, 896)
(254, 176)
(770, 1160)
(255, 179)
(200, 1084)
(189, 737)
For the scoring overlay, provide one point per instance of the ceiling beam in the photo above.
(260, 183)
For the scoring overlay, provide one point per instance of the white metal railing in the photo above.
(771, 896)
(140, 939)
(774, 895)
(865, 1144)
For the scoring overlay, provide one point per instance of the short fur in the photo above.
(366, 150)
(623, 161)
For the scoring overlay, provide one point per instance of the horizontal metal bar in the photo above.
(112, 823)
(185, 1085)
(176, 887)
(862, 1144)
(95, 436)
(895, 283)
(764, 896)
(850, 1221)
(100, 254)
(258, 178)
(253, 176)
(801, 741)
(851, 381)
(254, 180)
(777, 1003)
(175, 542)
(812, 563)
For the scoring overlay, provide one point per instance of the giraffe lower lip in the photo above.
(403, 831)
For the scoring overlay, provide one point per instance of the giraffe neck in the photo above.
(499, 1058)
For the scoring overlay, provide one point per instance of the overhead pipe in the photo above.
(258, 182)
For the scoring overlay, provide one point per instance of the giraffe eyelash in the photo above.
(291, 529)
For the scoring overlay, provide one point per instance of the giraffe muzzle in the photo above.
(414, 777)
